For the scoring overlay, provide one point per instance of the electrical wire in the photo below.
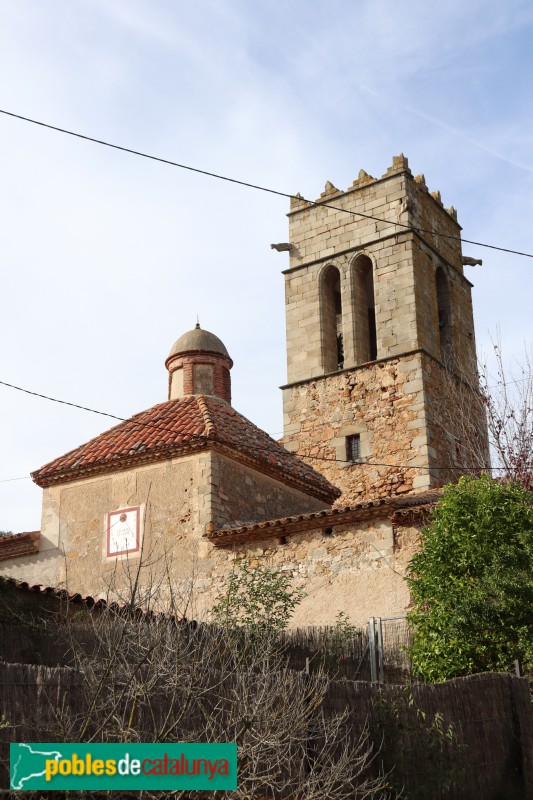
(200, 437)
(249, 185)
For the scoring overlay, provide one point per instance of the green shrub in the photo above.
(472, 581)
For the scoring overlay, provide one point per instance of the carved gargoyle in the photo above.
(282, 247)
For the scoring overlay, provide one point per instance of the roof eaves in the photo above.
(118, 462)
(78, 599)
(19, 544)
(286, 526)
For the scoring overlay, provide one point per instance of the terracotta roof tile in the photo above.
(388, 506)
(19, 544)
(183, 426)
(76, 598)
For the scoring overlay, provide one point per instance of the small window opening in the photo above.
(365, 334)
(327, 531)
(340, 351)
(332, 344)
(353, 448)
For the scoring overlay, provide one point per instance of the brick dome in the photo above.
(199, 364)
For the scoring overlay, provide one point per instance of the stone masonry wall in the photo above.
(319, 232)
(358, 569)
(461, 323)
(394, 308)
(355, 568)
(241, 495)
(384, 403)
(456, 425)
(175, 498)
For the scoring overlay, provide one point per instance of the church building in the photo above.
(381, 409)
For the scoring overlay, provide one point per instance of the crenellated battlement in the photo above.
(400, 166)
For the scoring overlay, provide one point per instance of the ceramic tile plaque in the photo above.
(123, 532)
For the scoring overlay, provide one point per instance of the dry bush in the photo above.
(152, 677)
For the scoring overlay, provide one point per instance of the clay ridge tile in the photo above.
(239, 433)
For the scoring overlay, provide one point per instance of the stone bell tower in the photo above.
(382, 392)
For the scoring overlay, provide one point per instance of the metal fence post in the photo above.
(372, 648)
(380, 663)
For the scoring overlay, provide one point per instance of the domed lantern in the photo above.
(199, 363)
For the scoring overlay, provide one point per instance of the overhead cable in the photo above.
(201, 437)
(256, 186)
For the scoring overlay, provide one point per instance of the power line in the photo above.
(249, 185)
(262, 450)
(95, 411)
(503, 383)
(67, 403)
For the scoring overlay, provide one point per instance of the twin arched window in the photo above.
(348, 336)
(348, 330)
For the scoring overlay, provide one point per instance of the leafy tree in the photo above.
(472, 581)
(257, 601)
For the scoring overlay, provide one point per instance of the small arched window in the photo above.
(331, 318)
(444, 317)
(365, 334)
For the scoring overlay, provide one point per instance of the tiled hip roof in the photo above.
(180, 427)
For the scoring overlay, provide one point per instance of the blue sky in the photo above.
(106, 258)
